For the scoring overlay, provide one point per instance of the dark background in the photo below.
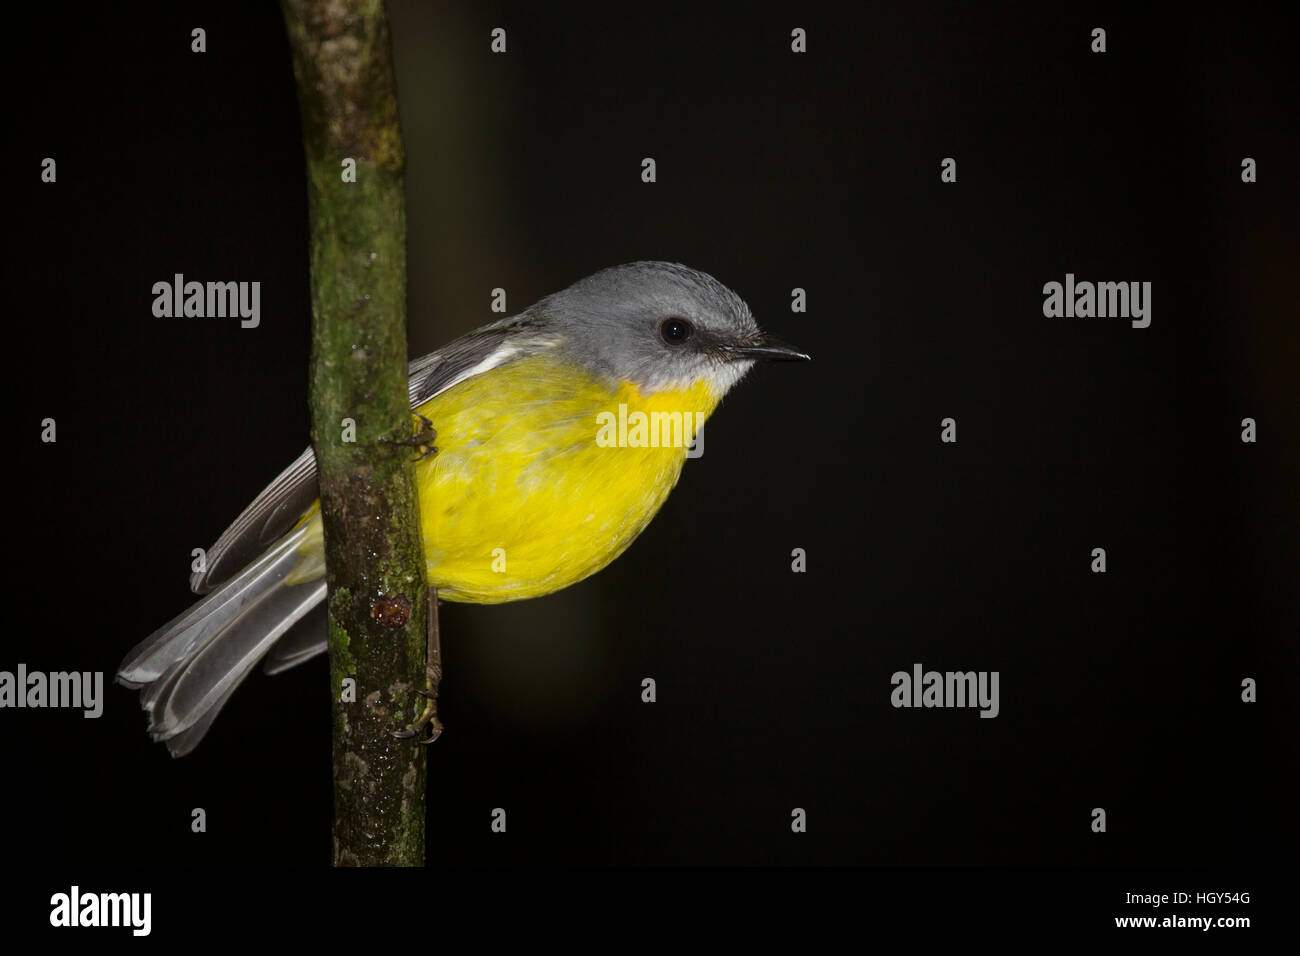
(775, 170)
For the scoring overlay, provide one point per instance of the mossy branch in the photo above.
(377, 608)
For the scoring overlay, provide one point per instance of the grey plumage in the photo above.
(190, 666)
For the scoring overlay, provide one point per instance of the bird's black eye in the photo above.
(675, 331)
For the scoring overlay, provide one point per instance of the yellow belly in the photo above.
(525, 494)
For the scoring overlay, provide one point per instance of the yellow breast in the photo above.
(543, 475)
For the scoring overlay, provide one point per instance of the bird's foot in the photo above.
(422, 440)
(428, 720)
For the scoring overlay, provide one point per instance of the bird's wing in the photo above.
(283, 501)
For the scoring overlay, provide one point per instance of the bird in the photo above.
(535, 463)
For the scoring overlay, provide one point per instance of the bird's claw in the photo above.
(434, 726)
(423, 439)
(428, 719)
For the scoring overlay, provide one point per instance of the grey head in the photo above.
(659, 325)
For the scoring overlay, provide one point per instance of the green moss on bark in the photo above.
(374, 559)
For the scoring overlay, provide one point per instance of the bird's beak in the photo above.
(765, 348)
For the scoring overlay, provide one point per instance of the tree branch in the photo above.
(377, 608)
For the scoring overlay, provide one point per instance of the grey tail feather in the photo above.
(189, 667)
(309, 638)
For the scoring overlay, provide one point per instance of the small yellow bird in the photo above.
(561, 432)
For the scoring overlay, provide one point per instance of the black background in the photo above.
(775, 170)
